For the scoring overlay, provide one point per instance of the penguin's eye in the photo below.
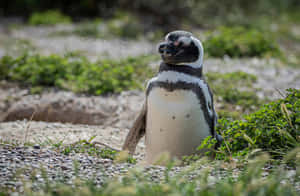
(172, 37)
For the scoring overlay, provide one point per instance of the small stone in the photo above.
(64, 167)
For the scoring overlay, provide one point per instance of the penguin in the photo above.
(178, 111)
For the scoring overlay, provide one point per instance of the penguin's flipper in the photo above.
(136, 132)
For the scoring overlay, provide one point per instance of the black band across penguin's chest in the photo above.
(197, 72)
(181, 85)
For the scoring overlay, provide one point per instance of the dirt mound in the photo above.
(77, 109)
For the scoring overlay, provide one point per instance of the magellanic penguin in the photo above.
(178, 112)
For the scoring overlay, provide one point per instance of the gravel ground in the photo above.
(26, 163)
(38, 165)
(44, 133)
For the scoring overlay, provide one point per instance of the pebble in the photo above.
(31, 161)
(60, 167)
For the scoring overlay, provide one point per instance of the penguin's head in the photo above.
(181, 48)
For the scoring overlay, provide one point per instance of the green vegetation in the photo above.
(230, 95)
(76, 73)
(274, 128)
(50, 17)
(240, 42)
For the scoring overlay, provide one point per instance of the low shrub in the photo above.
(240, 42)
(50, 17)
(76, 73)
(274, 128)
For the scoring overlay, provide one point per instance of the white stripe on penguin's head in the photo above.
(198, 63)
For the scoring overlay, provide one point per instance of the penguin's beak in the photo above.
(167, 49)
(163, 49)
(170, 52)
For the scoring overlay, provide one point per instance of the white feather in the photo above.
(175, 123)
(173, 77)
(185, 40)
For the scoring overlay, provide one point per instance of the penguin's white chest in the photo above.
(175, 123)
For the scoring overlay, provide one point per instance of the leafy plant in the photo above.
(50, 17)
(240, 42)
(274, 128)
(76, 73)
